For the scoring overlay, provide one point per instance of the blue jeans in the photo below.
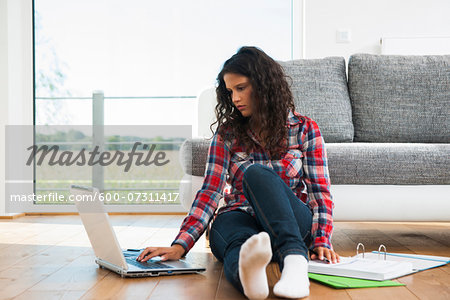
(278, 211)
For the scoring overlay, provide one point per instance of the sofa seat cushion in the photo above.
(389, 163)
(399, 99)
(318, 85)
(360, 163)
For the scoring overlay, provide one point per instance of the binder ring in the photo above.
(379, 251)
(363, 249)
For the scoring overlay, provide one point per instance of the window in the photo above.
(149, 58)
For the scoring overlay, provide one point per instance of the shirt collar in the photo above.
(292, 118)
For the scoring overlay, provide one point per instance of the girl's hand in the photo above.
(167, 253)
(323, 252)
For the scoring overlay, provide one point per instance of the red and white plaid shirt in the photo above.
(303, 168)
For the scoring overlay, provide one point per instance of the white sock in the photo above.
(254, 256)
(294, 282)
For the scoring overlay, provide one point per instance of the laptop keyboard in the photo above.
(147, 264)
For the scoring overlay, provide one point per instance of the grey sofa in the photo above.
(386, 129)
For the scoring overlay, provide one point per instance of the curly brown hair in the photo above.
(272, 99)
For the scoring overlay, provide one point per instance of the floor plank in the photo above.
(225, 290)
(429, 284)
(50, 295)
(113, 286)
(385, 293)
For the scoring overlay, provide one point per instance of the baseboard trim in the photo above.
(11, 216)
(403, 203)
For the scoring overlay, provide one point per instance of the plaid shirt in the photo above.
(303, 168)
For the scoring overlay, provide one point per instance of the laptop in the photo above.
(106, 246)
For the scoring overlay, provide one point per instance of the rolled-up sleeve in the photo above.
(208, 197)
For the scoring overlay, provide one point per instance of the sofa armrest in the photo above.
(193, 155)
(189, 187)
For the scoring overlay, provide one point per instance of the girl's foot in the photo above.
(254, 256)
(294, 282)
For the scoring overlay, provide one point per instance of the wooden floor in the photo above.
(49, 257)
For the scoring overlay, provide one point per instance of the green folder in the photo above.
(339, 282)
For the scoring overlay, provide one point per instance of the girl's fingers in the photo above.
(322, 253)
(153, 254)
(144, 253)
(148, 253)
(328, 255)
(333, 257)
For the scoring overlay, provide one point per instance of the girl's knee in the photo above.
(256, 171)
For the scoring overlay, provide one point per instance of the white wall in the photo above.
(16, 73)
(20, 62)
(369, 21)
(3, 96)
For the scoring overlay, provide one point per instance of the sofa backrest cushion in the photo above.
(319, 87)
(400, 98)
